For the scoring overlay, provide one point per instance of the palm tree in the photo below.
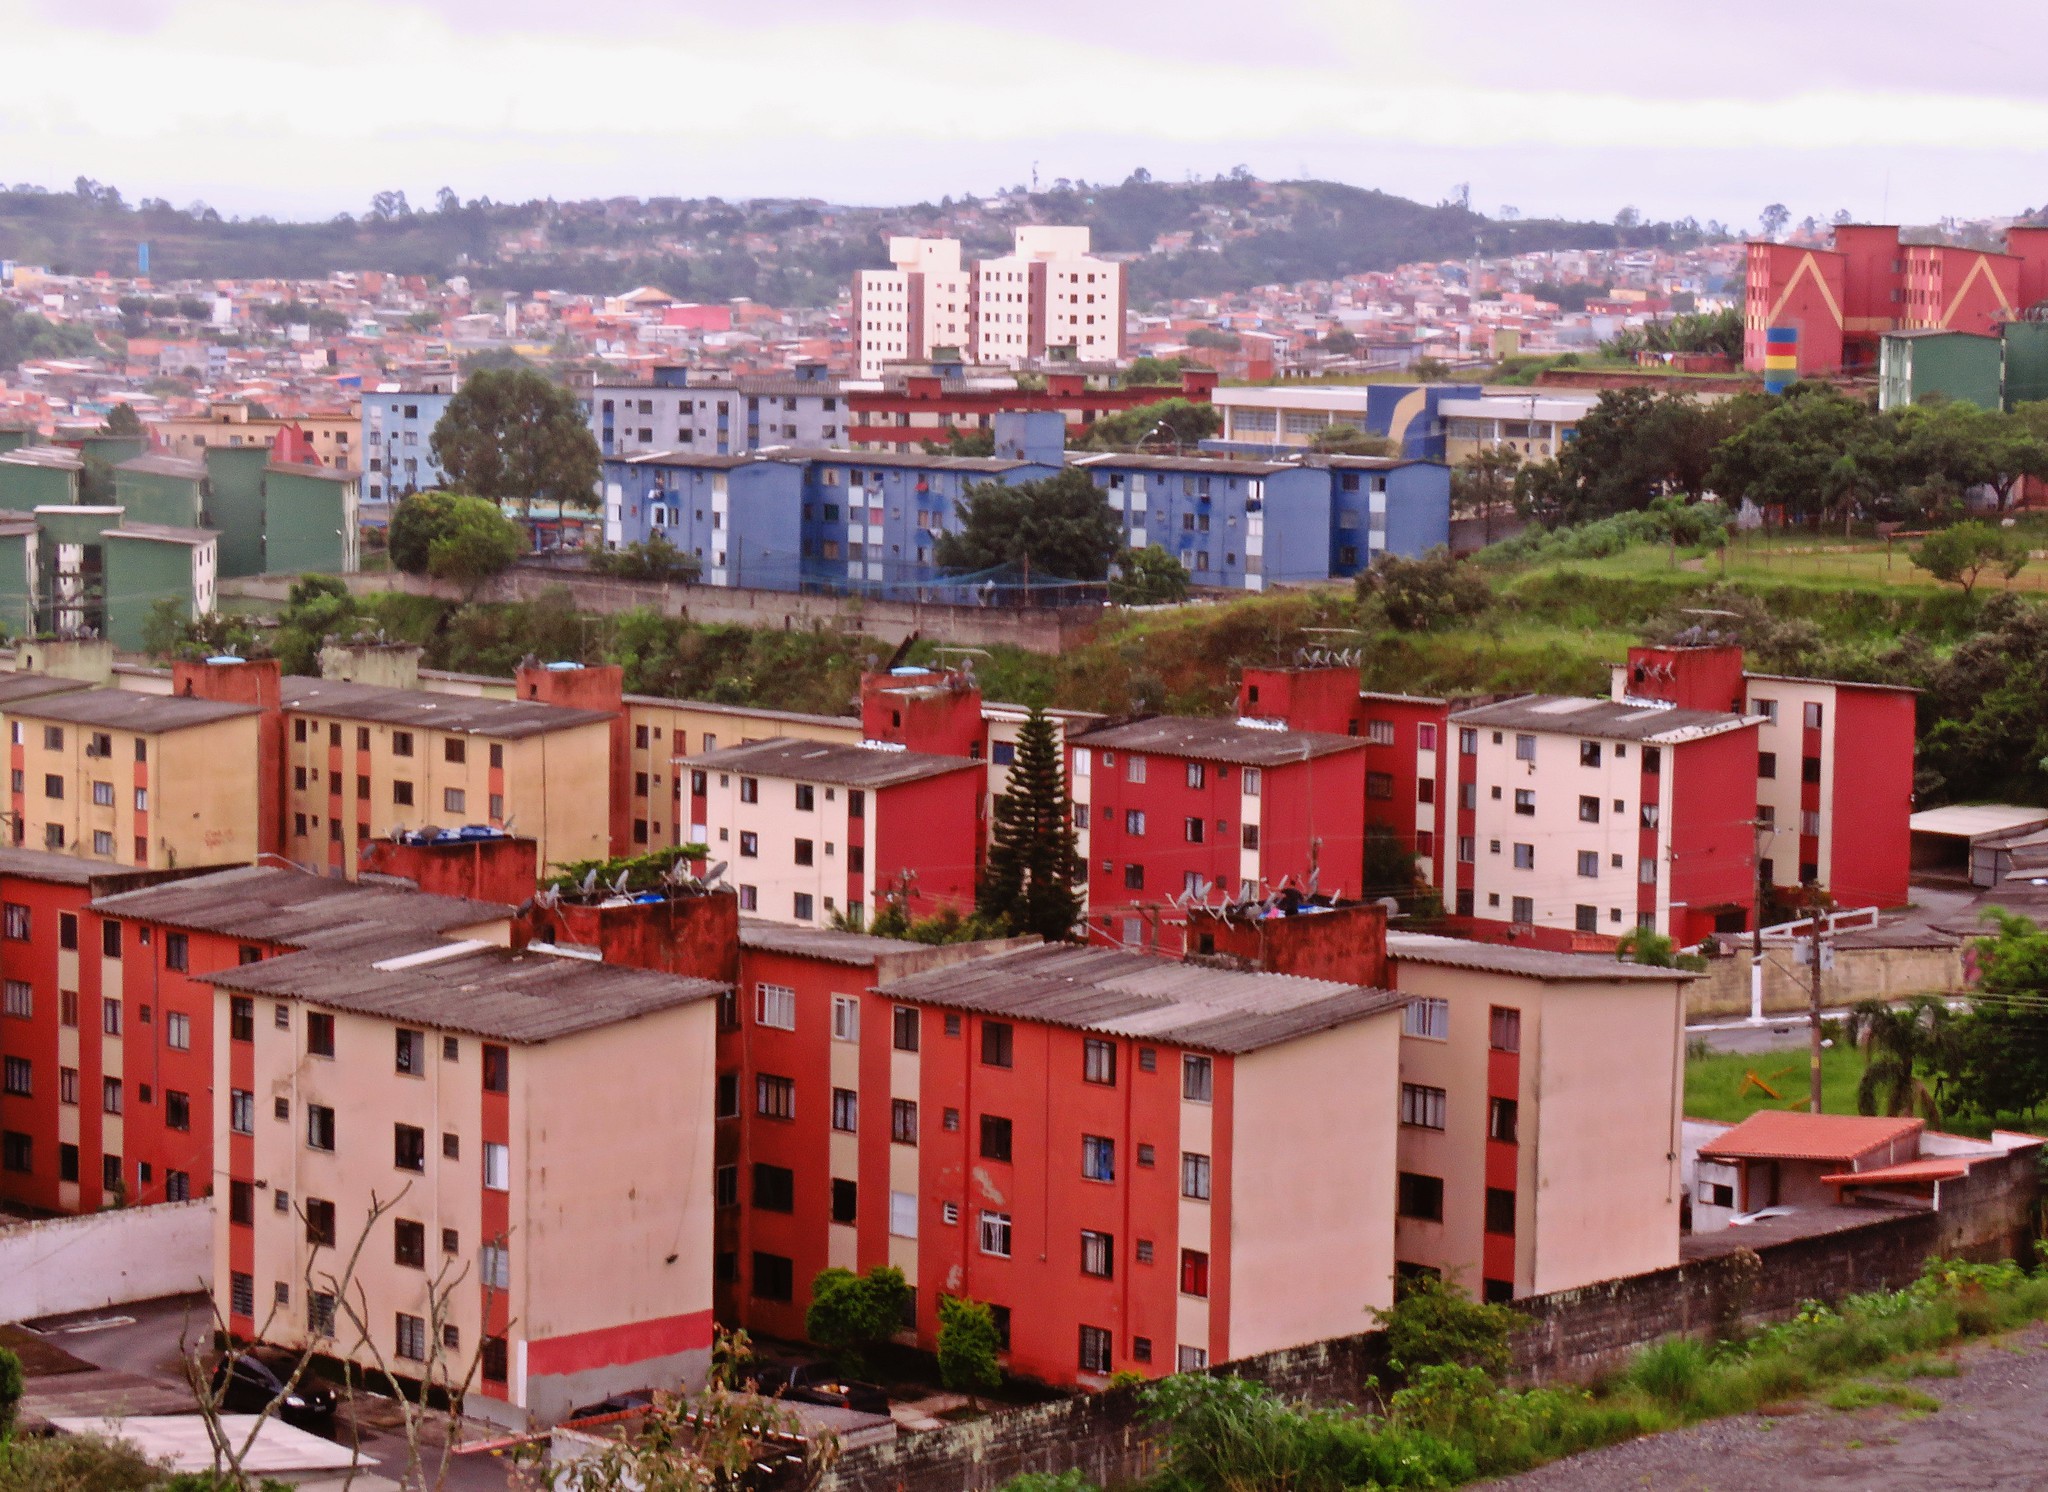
(1898, 1041)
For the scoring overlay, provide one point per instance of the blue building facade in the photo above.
(1385, 505)
(398, 428)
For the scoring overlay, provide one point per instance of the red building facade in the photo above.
(923, 406)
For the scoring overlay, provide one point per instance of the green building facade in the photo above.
(34, 477)
(310, 520)
(146, 563)
(162, 489)
(1964, 367)
(20, 578)
(234, 505)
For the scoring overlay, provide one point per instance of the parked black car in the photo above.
(259, 1376)
(816, 1383)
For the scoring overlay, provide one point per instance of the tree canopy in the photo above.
(1058, 525)
(452, 536)
(1963, 553)
(1032, 876)
(1433, 590)
(1179, 423)
(1148, 577)
(514, 434)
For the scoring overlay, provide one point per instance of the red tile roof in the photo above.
(1935, 1168)
(1794, 1134)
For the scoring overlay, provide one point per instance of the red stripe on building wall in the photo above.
(616, 1346)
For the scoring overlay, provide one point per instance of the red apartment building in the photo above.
(108, 1037)
(1842, 299)
(1177, 809)
(917, 407)
(1834, 768)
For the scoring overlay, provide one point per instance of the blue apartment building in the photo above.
(397, 442)
(717, 414)
(1385, 505)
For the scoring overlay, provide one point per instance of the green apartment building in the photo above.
(145, 563)
(34, 477)
(20, 573)
(162, 489)
(310, 520)
(1962, 366)
(234, 505)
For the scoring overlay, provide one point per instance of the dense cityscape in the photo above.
(1170, 834)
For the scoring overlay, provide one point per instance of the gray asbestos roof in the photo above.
(1606, 719)
(1145, 997)
(813, 942)
(749, 712)
(125, 709)
(166, 466)
(24, 686)
(831, 761)
(291, 906)
(1530, 963)
(508, 719)
(491, 992)
(1216, 741)
(61, 458)
(164, 533)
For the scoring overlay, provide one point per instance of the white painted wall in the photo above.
(105, 1258)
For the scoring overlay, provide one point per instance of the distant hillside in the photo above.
(1239, 232)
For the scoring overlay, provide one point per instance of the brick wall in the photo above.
(1858, 974)
(1576, 1334)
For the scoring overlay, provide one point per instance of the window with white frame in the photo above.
(845, 1018)
(903, 1215)
(1429, 1017)
(777, 1006)
(995, 1234)
(1421, 1106)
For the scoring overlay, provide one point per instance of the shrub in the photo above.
(1434, 1322)
(1418, 595)
(849, 1313)
(11, 1382)
(967, 1346)
(1673, 1372)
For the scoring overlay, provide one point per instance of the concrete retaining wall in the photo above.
(106, 1258)
(1576, 1333)
(1858, 974)
(888, 622)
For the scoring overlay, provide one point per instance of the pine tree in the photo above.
(1030, 878)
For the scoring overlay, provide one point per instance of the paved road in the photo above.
(1988, 1436)
(150, 1339)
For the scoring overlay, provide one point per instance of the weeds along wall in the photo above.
(1575, 1334)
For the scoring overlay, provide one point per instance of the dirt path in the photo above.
(1990, 1435)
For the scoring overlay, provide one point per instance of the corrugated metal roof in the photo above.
(830, 761)
(493, 992)
(1216, 741)
(164, 532)
(60, 458)
(70, 870)
(21, 686)
(1144, 996)
(268, 904)
(748, 712)
(819, 942)
(1795, 1134)
(1532, 963)
(126, 709)
(1604, 719)
(507, 719)
(166, 466)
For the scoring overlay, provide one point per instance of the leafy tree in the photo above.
(1341, 342)
(1772, 219)
(514, 434)
(12, 1381)
(1419, 595)
(317, 608)
(1153, 370)
(653, 558)
(1897, 1041)
(1807, 453)
(171, 631)
(1483, 484)
(960, 442)
(1349, 440)
(1182, 423)
(122, 420)
(96, 480)
(947, 925)
(1211, 337)
(1149, 577)
(1996, 1058)
(1392, 868)
(77, 1463)
(1643, 945)
(851, 1313)
(1964, 552)
(1632, 447)
(1433, 1322)
(1030, 881)
(452, 535)
(967, 1347)
(1058, 526)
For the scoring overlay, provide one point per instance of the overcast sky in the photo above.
(1911, 111)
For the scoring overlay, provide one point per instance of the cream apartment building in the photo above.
(525, 1230)
(1541, 1097)
(924, 302)
(1049, 293)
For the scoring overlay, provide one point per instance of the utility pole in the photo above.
(1816, 902)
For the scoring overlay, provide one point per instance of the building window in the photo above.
(776, 1006)
(904, 1028)
(1427, 1017)
(1500, 1211)
(1767, 764)
(1192, 1360)
(409, 1243)
(19, 1079)
(1379, 732)
(497, 1167)
(1098, 1158)
(241, 1018)
(1812, 716)
(845, 1110)
(1134, 878)
(1098, 1061)
(845, 1018)
(110, 1017)
(774, 1097)
(1589, 753)
(17, 921)
(1379, 785)
(997, 1039)
(497, 1069)
(1194, 1272)
(802, 906)
(1422, 1106)
(774, 1277)
(408, 1147)
(411, 1337)
(1525, 856)
(411, 1058)
(1504, 1029)
(1522, 910)
(319, 1034)
(1589, 863)
(1525, 801)
(1194, 1176)
(1197, 1079)
(177, 1110)
(1420, 1196)
(1094, 1350)
(1525, 748)
(903, 1214)
(319, 1222)
(1502, 1120)
(774, 1188)
(995, 1234)
(1098, 1254)
(20, 998)
(319, 1127)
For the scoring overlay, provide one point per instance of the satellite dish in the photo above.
(715, 871)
